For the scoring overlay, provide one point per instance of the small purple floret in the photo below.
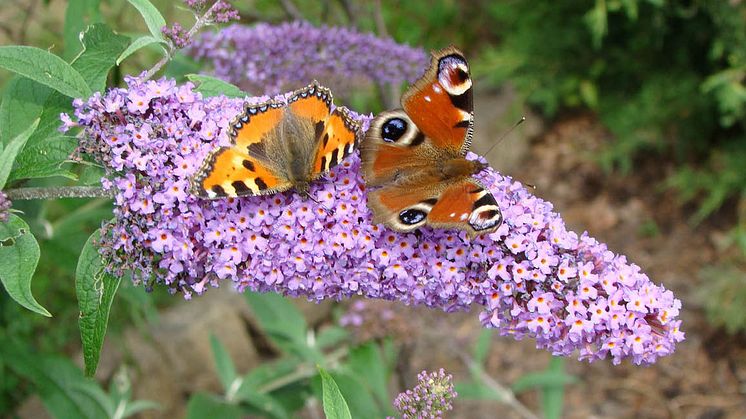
(429, 399)
(5, 205)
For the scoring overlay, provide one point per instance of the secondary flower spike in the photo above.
(532, 276)
(265, 59)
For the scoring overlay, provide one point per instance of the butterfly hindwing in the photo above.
(394, 149)
(463, 204)
(440, 103)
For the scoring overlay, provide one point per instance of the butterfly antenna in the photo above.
(505, 134)
(315, 201)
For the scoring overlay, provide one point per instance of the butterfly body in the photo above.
(278, 146)
(415, 156)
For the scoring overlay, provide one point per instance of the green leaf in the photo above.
(78, 15)
(358, 397)
(331, 336)
(151, 15)
(95, 290)
(553, 396)
(476, 391)
(265, 403)
(367, 363)
(19, 254)
(44, 159)
(223, 362)
(335, 406)
(138, 406)
(482, 346)
(268, 372)
(202, 405)
(45, 68)
(136, 45)
(101, 47)
(23, 101)
(10, 152)
(47, 153)
(58, 382)
(211, 86)
(278, 316)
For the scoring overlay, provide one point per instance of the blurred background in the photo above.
(636, 132)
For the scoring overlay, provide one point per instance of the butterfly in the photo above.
(416, 156)
(279, 145)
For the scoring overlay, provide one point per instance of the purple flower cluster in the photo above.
(176, 34)
(533, 277)
(429, 399)
(221, 11)
(266, 59)
(5, 205)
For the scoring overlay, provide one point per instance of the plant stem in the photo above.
(201, 22)
(57, 192)
(505, 393)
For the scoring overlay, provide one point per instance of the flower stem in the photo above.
(57, 192)
(201, 22)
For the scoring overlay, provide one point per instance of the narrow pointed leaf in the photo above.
(44, 67)
(95, 290)
(335, 406)
(137, 45)
(151, 15)
(19, 255)
(212, 86)
(223, 362)
(8, 156)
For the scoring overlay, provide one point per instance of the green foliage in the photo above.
(11, 150)
(335, 406)
(45, 68)
(724, 295)
(550, 383)
(153, 18)
(665, 77)
(95, 290)
(279, 388)
(19, 255)
(211, 86)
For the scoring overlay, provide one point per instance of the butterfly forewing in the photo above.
(441, 104)
(337, 140)
(243, 169)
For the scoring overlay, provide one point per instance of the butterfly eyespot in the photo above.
(393, 129)
(412, 216)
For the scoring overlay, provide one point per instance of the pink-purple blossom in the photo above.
(5, 205)
(429, 399)
(533, 277)
(267, 59)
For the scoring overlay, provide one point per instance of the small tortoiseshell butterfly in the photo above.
(279, 145)
(416, 156)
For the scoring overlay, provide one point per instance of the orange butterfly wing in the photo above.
(239, 169)
(416, 156)
(464, 204)
(339, 138)
(441, 104)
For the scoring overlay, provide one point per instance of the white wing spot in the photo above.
(453, 214)
(464, 216)
(427, 99)
(437, 89)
